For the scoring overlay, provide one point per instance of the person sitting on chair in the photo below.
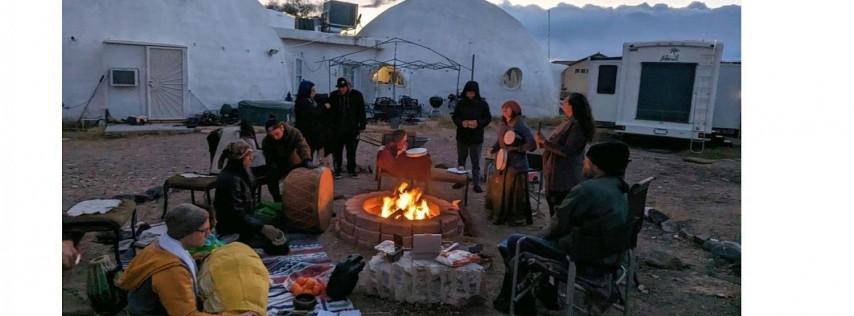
(285, 149)
(393, 160)
(234, 202)
(589, 226)
(161, 279)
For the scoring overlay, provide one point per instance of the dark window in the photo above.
(666, 90)
(607, 79)
(123, 77)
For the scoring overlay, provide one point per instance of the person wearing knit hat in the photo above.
(611, 158)
(161, 279)
(592, 225)
(234, 201)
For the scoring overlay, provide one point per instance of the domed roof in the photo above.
(460, 28)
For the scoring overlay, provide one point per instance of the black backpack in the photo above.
(345, 277)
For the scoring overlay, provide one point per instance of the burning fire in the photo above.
(407, 202)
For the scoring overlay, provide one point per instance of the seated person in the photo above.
(161, 279)
(592, 213)
(234, 202)
(393, 160)
(70, 253)
(285, 149)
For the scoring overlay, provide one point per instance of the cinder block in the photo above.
(403, 228)
(426, 227)
(367, 235)
(369, 222)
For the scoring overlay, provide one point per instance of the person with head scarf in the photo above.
(563, 151)
(234, 201)
(161, 279)
(592, 225)
(507, 195)
(471, 116)
(311, 118)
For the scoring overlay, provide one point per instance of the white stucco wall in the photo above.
(226, 43)
(459, 29)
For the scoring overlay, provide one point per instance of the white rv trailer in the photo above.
(668, 88)
(584, 76)
(727, 120)
(596, 77)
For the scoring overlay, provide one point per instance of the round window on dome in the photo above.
(513, 78)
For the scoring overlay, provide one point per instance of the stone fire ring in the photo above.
(363, 229)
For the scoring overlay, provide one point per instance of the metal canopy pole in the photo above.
(394, 74)
(472, 67)
(458, 81)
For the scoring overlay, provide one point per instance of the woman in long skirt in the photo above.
(507, 194)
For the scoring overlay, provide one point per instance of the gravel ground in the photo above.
(703, 198)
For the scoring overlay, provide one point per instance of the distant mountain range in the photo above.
(577, 32)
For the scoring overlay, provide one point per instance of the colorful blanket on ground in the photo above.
(306, 258)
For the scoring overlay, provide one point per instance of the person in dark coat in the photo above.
(507, 196)
(591, 225)
(310, 117)
(284, 150)
(234, 202)
(348, 120)
(471, 116)
(563, 151)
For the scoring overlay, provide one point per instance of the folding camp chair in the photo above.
(540, 268)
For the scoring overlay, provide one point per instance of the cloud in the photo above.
(577, 32)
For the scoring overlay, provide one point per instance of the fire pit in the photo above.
(370, 218)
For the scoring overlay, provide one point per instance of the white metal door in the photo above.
(166, 83)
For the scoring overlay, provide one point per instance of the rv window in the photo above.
(513, 78)
(607, 79)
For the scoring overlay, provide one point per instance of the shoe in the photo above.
(457, 186)
(477, 189)
(354, 175)
(338, 175)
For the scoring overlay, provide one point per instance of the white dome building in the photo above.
(509, 63)
(167, 59)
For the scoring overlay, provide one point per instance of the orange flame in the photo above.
(408, 200)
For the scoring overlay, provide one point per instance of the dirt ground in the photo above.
(703, 198)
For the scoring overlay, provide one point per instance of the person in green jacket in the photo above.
(592, 218)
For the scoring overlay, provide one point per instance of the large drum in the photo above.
(307, 196)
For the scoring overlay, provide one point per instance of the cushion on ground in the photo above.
(113, 219)
(197, 183)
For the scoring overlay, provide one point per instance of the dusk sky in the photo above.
(583, 27)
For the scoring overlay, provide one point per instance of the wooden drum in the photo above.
(307, 196)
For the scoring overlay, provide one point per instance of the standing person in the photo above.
(309, 118)
(348, 120)
(284, 150)
(234, 201)
(161, 279)
(471, 116)
(507, 197)
(563, 153)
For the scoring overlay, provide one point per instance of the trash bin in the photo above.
(257, 112)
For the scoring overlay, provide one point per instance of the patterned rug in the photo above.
(306, 258)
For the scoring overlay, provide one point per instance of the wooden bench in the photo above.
(112, 220)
